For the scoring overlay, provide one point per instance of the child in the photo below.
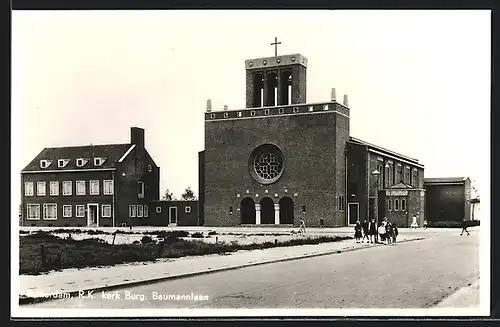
(388, 232)
(357, 232)
(425, 223)
(395, 233)
(302, 226)
(365, 232)
(321, 223)
(382, 232)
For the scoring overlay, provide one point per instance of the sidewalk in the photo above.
(74, 280)
(466, 297)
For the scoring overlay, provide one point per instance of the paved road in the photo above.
(416, 274)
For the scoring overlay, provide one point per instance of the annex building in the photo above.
(281, 158)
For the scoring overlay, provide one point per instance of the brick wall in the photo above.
(445, 202)
(160, 217)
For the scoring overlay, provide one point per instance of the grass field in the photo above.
(62, 253)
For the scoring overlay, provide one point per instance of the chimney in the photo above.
(334, 95)
(225, 107)
(137, 137)
(209, 105)
(346, 103)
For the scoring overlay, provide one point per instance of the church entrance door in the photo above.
(353, 213)
(267, 211)
(286, 211)
(247, 211)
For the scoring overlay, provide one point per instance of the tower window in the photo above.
(226, 115)
(266, 112)
(295, 110)
(325, 107)
(239, 114)
(252, 113)
(311, 108)
(303, 209)
(212, 116)
(281, 111)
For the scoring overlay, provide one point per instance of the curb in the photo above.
(34, 300)
(458, 294)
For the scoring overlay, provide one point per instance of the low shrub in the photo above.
(452, 224)
(212, 233)
(169, 234)
(23, 232)
(146, 239)
(197, 235)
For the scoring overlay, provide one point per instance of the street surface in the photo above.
(416, 274)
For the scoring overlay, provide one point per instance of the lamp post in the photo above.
(376, 175)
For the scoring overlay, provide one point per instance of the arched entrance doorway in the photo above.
(267, 211)
(286, 210)
(247, 211)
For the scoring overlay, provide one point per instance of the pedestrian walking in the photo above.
(321, 223)
(414, 223)
(366, 234)
(464, 227)
(382, 232)
(302, 228)
(395, 233)
(425, 223)
(388, 232)
(372, 230)
(357, 232)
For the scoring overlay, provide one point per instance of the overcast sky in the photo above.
(418, 81)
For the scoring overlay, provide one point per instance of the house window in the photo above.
(396, 204)
(131, 210)
(187, 209)
(140, 190)
(98, 161)
(94, 187)
(158, 209)
(389, 205)
(281, 111)
(252, 113)
(403, 204)
(80, 162)
(29, 189)
(67, 187)
(67, 211)
(106, 211)
(61, 163)
(33, 212)
(150, 168)
(40, 189)
(108, 187)
(45, 163)
(80, 187)
(146, 209)
(80, 210)
(341, 203)
(140, 211)
(54, 188)
(50, 211)
(303, 209)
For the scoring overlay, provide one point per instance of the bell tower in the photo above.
(276, 81)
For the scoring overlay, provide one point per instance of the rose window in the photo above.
(267, 163)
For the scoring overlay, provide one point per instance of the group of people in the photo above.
(386, 232)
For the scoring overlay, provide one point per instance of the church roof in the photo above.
(381, 149)
(110, 153)
(445, 180)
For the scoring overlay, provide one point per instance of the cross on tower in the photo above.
(275, 46)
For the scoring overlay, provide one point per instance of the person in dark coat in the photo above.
(365, 231)
(464, 227)
(395, 233)
(372, 230)
(357, 232)
(388, 232)
(321, 223)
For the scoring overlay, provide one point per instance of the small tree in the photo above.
(188, 194)
(168, 196)
(475, 191)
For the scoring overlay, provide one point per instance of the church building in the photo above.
(281, 159)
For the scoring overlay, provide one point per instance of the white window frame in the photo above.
(108, 187)
(45, 163)
(29, 189)
(140, 211)
(37, 211)
(80, 162)
(65, 206)
(389, 205)
(158, 209)
(94, 190)
(281, 111)
(295, 110)
(61, 163)
(403, 207)
(396, 204)
(45, 206)
(77, 192)
(266, 112)
(70, 183)
(252, 113)
(106, 207)
(56, 191)
(140, 193)
(39, 187)
(187, 209)
(79, 207)
(99, 161)
(132, 211)
(341, 203)
(146, 211)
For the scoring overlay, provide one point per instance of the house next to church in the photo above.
(92, 185)
(281, 159)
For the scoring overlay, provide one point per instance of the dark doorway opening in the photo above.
(286, 211)
(267, 211)
(247, 211)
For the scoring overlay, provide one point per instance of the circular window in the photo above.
(264, 62)
(266, 163)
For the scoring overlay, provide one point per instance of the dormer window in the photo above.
(80, 162)
(45, 163)
(61, 163)
(98, 161)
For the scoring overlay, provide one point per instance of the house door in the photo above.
(172, 216)
(93, 215)
(353, 212)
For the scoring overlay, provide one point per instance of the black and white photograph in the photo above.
(250, 163)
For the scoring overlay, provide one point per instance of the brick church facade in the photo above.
(281, 159)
